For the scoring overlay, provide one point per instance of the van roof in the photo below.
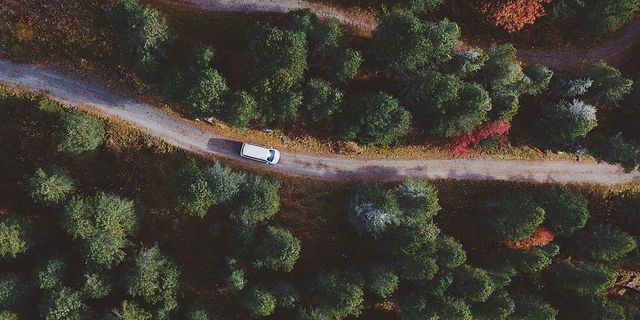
(255, 151)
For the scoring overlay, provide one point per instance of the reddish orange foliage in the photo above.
(540, 238)
(511, 15)
(462, 145)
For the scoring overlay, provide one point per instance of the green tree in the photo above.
(63, 304)
(450, 253)
(101, 224)
(198, 311)
(50, 275)
(257, 201)
(279, 97)
(502, 69)
(537, 79)
(418, 266)
(131, 311)
(418, 202)
(372, 209)
(4, 314)
(277, 249)
(142, 32)
(499, 306)
(602, 308)
(533, 260)
(236, 281)
(505, 105)
(12, 290)
(285, 293)
(605, 242)
(443, 35)
(472, 284)
(321, 100)
(259, 302)
(95, 285)
(566, 211)
(240, 109)
(14, 236)
(205, 98)
(337, 295)
(154, 278)
(567, 121)
(382, 282)
(80, 133)
(529, 307)
(608, 83)
(377, 119)
(191, 190)
(581, 277)
(466, 63)
(454, 308)
(326, 39)
(50, 187)
(344, 66)
(514, 217)
(472, 106)
(614, 150)
(223, 182)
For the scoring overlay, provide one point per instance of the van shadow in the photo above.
(227, 147)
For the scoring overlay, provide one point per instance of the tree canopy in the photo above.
(80, 133)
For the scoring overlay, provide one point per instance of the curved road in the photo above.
(612, 50)
(94, 97)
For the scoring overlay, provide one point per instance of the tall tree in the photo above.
(80, 133)
(372, 209)
(277, 249)
(14, 236)
(257, 201)
(567, 122)
(51, 186)
(514, 217)
(191, 191)
(608, 83)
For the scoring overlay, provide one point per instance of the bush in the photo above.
(277, 249)
(191, 191)
(14, 237)
(80, 133)
(321, 100)
(259, 302)
(101, 224)
(566, 211)
(382, 282)
(337, 295)
(257, 201)
(50, 187)
(8, 315)
(514, 217)
(372, 209)
(605, 242)
(377, 119)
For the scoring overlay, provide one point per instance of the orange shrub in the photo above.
(511, 15)
(540, 238)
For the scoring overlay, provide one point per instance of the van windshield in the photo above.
(272, 154)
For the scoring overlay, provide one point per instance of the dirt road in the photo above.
(612, 50)
(93, 97)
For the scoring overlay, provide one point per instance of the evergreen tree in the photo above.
(50, 187)
(80, 133)
(14, 237)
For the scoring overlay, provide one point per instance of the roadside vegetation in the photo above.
(132, 227)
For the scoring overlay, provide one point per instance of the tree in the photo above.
(529, 307)
(101, 224)
(499, 306)
(567, 121)
(609, 84)
(602, 308)
(504, 105)
(344, 66)
(372, 209)
(240, 109)
(63, 304)
(257, 201)
(272, 49)
(259, 302)
(326, 39)
(472, 284)
(12, 290)
(143, 34)
(598, 18)
(377, 119)
(95, 285)
(199, 312)
(400, 43)
(14, 237)
(50, 187)
(566, 211)
(419, 266)
(382, 282)
(223, 182)
(130, 311)
(205, 98)
(514, 217)
(533, 260)
(454, 308)
(277, 249)
(191, 191)
(511, 15)
(443, 35)
(469, 111)
(4, 314)
(285, 293)
(418, 202)
(236, 281)
(50, 275)
(80, 133)
(537, 79)
(581, 277)
(337, 295)
(605, 242)
(279, 97)
(450, 253)
(466, 63)
(321, 100)
(502, 69)
(154, 277)
(614, 150)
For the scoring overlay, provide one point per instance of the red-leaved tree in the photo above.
(511, 15)
(540, 238)
(462, 145)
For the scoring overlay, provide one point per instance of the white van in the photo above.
(262, 154)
